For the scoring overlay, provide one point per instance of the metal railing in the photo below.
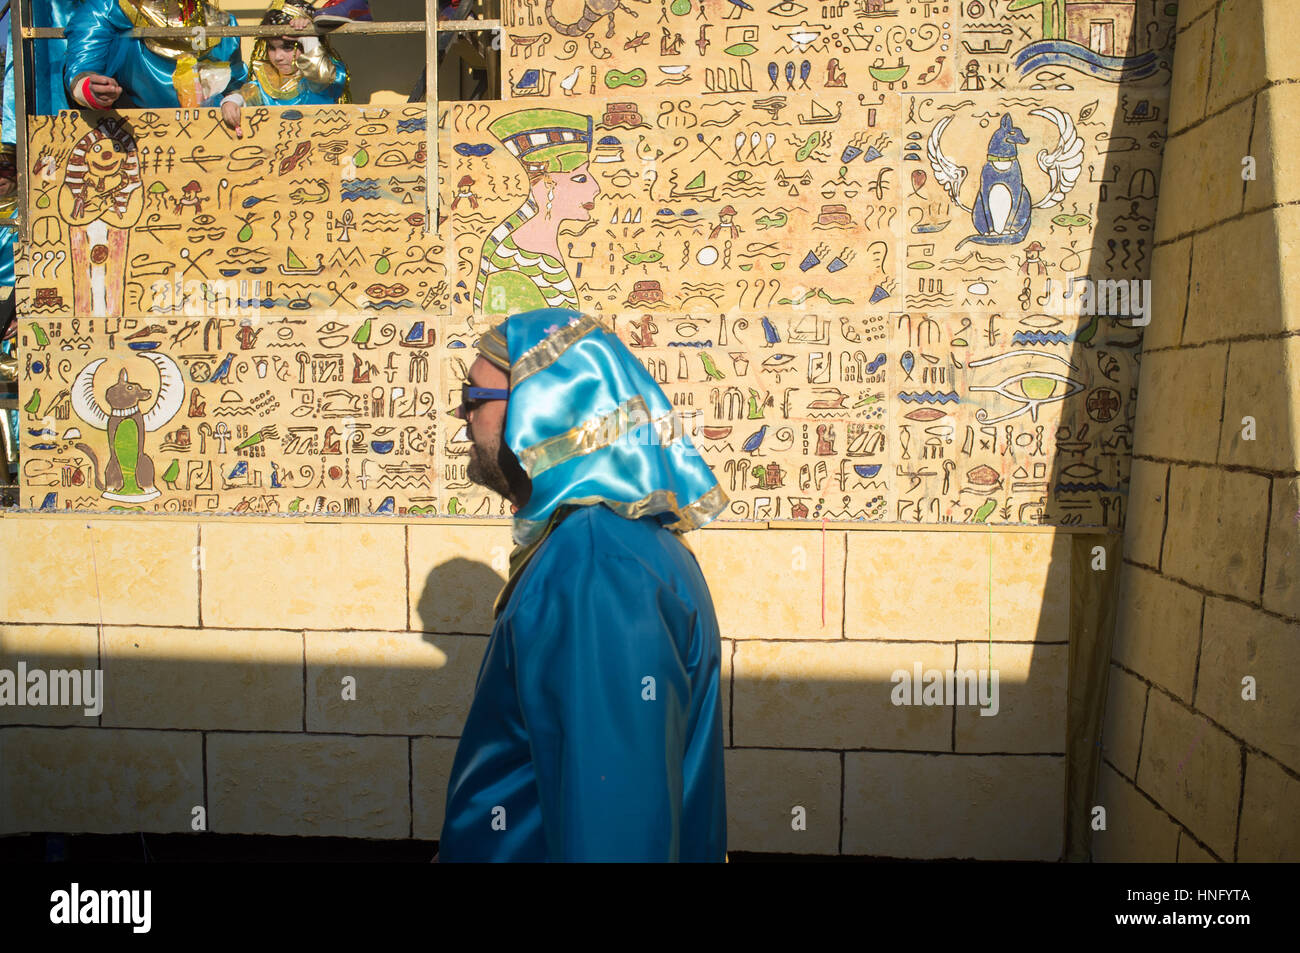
(429, 26)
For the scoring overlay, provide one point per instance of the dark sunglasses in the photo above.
(471, 397)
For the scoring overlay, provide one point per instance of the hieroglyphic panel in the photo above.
(840, 52)
(859, 305)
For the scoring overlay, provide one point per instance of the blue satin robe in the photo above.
(562, 744)
(9, 136)
(48, 57)
(96, 45)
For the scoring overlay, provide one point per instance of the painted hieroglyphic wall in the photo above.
(839, 235)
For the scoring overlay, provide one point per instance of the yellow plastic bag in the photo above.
(185, 78)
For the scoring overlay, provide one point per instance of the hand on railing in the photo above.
(98, 91)
(232, 114)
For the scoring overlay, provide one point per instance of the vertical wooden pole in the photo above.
(431, 197)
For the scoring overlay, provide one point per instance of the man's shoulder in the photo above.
(593, 548)
(597, 540)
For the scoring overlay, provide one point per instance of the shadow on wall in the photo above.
(353, 733)
(871, 777)
(1200, 765)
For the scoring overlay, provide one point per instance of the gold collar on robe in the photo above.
(163, 13)
(522, 554)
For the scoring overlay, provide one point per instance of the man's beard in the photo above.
(499, 472)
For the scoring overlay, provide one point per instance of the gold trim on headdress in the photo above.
(600, 433)
(549, 349)
(689, 517)
(492, 345)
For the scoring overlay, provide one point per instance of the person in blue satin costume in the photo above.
(289, 71)
(47, 57)
(595, 733)
(106, 69)
(8, 158)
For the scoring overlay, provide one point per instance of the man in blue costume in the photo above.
(106, 68)
(596, 727)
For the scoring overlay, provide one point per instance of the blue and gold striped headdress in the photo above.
(590, 425)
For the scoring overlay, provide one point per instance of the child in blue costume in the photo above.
(105, 68)
(289, 71)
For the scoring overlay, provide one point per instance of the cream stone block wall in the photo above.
(988, 806)
(1192, 67)
(1208, 584)
(454, 575)
(431, 762)
(111, 571)
(1193, 770)
(259, 705)
(1190, 852)
(1207, 164)
(403, 683)
(1126, 707)
(231, 679)
(93, 780)
(1240, 64)
(317, 575)
(783, 801)
(1215, 534)
(836, 695)
(1136, 829)
(1148, 491)
(1170, 267)
(1242, 642)
(1282, 574)
(1033, 687)
(1238, 249)
(940, 585)
(745, 568)
(1276, 124)
(725, 679)
(1263, 396)
(318, 785)
(1176, 420)
(1270, 823)
(1158, 635)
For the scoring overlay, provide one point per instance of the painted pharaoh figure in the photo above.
(101, 199)
(521, 267)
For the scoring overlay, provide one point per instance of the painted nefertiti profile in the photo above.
(521, 267)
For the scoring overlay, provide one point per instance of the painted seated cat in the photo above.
(1003, 208)
(129, 470)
